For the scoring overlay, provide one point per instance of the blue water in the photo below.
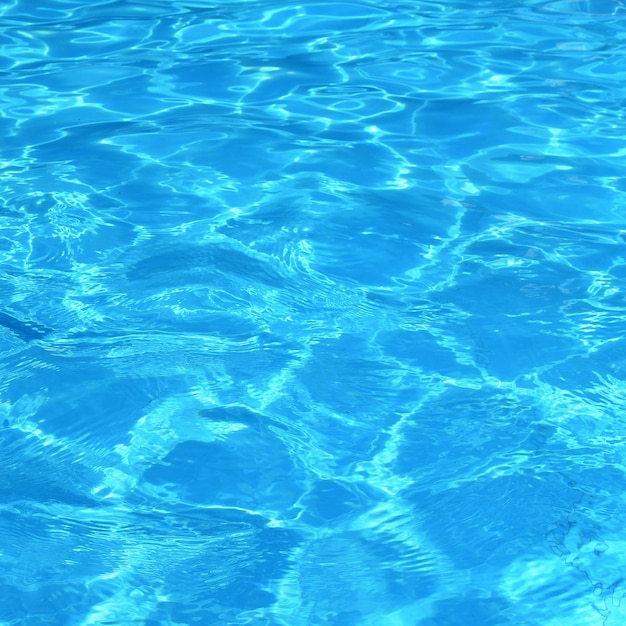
(312, 314)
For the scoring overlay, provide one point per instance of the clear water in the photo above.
(313, 314)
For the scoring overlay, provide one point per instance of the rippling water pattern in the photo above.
(313, 314)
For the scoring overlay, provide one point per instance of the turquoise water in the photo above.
(312, 314)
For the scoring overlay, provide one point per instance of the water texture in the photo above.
(312, 314)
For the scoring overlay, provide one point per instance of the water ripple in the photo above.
(312, 313)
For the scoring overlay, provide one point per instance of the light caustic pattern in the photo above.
(312, 314)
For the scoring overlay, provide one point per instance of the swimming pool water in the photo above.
(312, 314)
